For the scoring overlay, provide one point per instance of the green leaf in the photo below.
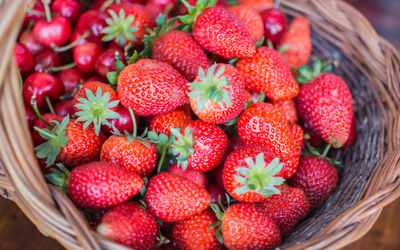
(260, 42)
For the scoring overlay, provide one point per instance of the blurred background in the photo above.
(17, 232)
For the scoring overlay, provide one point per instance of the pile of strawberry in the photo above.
(177, 124)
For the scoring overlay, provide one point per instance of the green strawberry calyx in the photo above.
(163, 27)
(182, 146)
(59, 177)
(194, 11)
(162, 143)
(96, 109)
(307, 74)
(56, 139)
(119, 66)
(211, 87)
(219, 210)
(120, 27)
(310, 150)
(258, 178)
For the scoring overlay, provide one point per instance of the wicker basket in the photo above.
(369, 181)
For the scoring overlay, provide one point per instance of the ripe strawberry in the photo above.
(353, 133)
(267, 72)
(316, 177)
(177, 118)
(287, 208)
(258, 5)
(130, 225)
(151, 87)
(70, 143)
(297, 43)
(97, 185)
(250, 173)
(246, 226)
(290, 166)
(194, 232)
(217, 94)
(326, 105)
(175, 47)
(202, 147)
(96, 102)
(288, 109)
(127, 23)
(263, 124)
(220, 32)
(251, 20)
(173, 198)
(197, 177)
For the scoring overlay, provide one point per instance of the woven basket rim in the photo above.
(55, 215)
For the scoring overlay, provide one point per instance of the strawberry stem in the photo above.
(36, 109)
(134, 123)
(163, 154)
(47, 10)
(71, 45)
(42, 131)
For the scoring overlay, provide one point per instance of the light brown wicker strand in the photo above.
(336, 22)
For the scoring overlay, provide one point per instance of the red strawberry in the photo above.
(151, 87)
(263, 124)
(287, 208)
(326, 105)
(258, 5)
(193, 233)
(353, 133)
(219, 31)
(202, 147)
(96, 185)
(130, 225)
(297, 43)
(131, 153)
(267, 72)
(316, 177)
(197, 177)
(173, 198)
(290, 166)
(179, 49)
(177, 118)
(95, 103)
(127, 23)
(246, 226)
(217, 94)
(70, 143)
(288, 109)
(250, 173)
(251, 20)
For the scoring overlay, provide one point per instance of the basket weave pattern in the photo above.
(369, 181)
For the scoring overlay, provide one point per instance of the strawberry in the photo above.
(250, 19)
(287, 208)
(194, 232)
(353, 133)
(97, 185)
(127, 23)
(258, 5)
(326, 105)
(177, 118)
(250, 173)
(130, 225)
(69, 143)
(96, 102)
(202, 147)
(290, 167)
(296, 43)
(175, 47)
(219, 31)
(267, 72)
(316, 177)
(288, 109)
(217, 95)
(197, 177)
(173, 198)
(151, 87)
(130, 151)
(246, 226)
(263, 124)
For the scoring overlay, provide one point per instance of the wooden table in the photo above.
(17, 232)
